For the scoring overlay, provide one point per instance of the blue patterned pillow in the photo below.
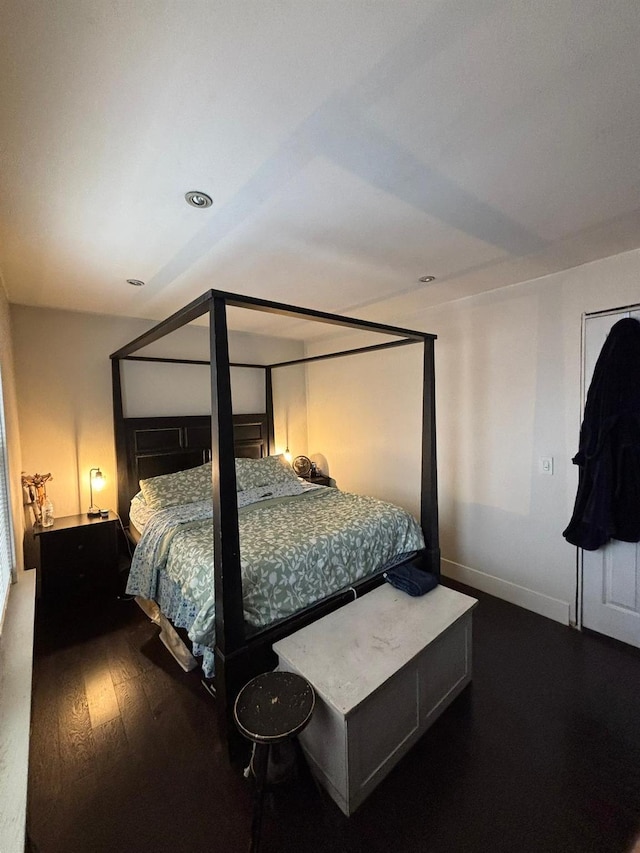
(253, 473)
(183, 487)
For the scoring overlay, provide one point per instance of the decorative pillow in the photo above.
(271, 490)
(183, 487)
(253, 473)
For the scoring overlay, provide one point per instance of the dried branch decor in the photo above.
(34, 484)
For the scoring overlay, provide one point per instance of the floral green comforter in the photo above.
(294, 551)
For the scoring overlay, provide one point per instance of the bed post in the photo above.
(429, 490)
(268, 390)
(229, 620)
(120, 439)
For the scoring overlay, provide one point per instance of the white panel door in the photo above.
(610, 595)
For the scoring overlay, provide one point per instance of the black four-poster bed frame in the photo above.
(149, 446)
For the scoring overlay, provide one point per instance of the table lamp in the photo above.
(97, 482)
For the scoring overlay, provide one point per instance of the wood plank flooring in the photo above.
(541, 753)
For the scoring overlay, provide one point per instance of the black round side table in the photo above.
(270, 709)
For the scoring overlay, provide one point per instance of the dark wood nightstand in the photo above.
(319, 480)
(78, 555)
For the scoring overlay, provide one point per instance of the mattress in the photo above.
(294, 552)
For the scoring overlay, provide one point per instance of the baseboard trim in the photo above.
(545, 605)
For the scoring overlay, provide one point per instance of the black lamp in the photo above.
(96, 481)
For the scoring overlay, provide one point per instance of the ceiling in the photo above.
(350, 147)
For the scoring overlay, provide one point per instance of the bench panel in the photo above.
(380, 727)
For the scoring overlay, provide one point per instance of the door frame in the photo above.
(586, 315)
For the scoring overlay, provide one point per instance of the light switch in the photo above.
(546, 465)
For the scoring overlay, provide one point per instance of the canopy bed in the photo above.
(227, 449)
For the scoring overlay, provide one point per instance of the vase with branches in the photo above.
(36, 490)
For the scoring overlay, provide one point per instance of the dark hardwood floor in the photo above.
(541, 753)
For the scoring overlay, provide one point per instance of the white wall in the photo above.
(365, 416)
(63, 375)
(508, 393)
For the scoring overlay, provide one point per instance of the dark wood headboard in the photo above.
(164, 445)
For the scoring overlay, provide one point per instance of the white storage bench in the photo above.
(384, 667)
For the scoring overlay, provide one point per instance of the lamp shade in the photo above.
(97, 481)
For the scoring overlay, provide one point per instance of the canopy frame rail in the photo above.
(232, 647)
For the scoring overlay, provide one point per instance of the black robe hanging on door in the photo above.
(608, 499)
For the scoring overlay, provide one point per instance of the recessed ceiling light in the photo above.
(198, 199)
(135, 282)
(425, 279)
